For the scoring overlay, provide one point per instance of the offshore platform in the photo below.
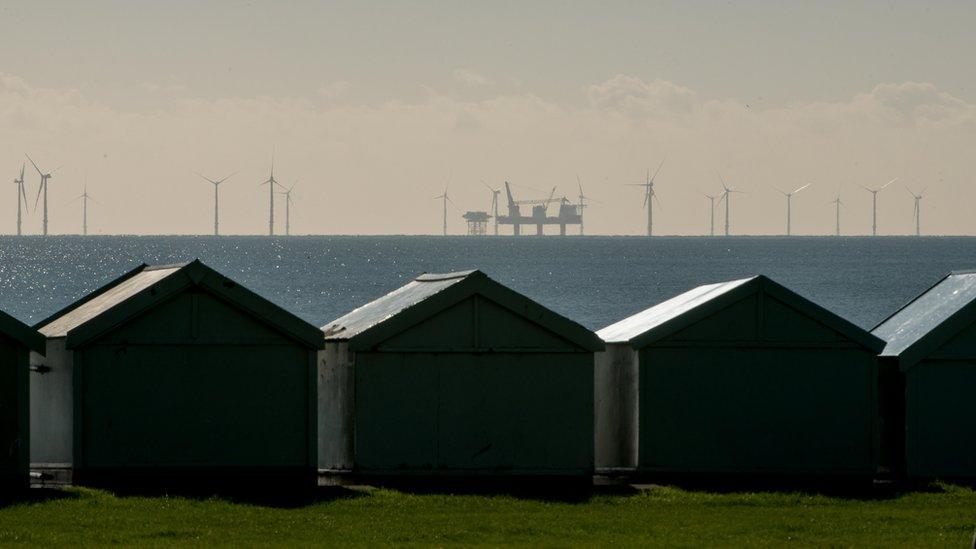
(568, 213)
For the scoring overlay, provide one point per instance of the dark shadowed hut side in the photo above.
(931, 343)
(740, 378)
(17, 340)
(175, 372)
(456, 375)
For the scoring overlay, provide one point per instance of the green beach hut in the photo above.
(456, 375)
(739, 378)
(17, 340)
(931, 342)
(175, 372)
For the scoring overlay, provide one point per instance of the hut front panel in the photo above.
(194, 382)
(758, 387)
(52, 406)
(475, 324)
(474, 413)
(941, 419)
(731, 410)
(13, 414)
(203, 406)
(195, 316)
(396, 412)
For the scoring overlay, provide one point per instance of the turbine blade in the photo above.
(720, 178)
(801, 188)
(225, 178)
(659, 166)
(888, 183)
(780, 191)
(39, 189)
(455, 206)
(206, 178)
(34, 164)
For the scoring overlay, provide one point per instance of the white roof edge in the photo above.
(627, 329)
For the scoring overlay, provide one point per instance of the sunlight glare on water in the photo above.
(593, 280)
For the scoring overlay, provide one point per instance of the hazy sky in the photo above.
(373, 109)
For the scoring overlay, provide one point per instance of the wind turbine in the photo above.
(789, 201)
(711, 208)
(21, 194)
(84, 197)
(918, 210)
(649, 197)
(874, 204)
(271, 182)
(446, 199)
(837, 204)
(42, 189)
(288, 202)
(582, 201)
(216, 183)
(494, 202)
(727, 197)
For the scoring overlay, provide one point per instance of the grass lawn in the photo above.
(943, 516)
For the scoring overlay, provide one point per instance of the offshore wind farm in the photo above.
(510, 216)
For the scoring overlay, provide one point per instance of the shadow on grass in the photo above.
(35, 496)
(841, 488)
(280, 498)
(555, 490)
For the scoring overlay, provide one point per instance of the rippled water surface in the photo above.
(594, 280)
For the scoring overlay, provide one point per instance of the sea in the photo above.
(594, 280)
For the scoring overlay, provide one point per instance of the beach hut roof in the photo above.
(679, 312)
(146, 286)
(429, 294)
(930, 319)
(21, 333)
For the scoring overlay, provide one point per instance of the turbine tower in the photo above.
(874, 204)
(711, 209)
(288, 203)
(917, 215)
(21, 198)
(446, 199)
(494, 202)
(789, 200)
(650, 197)
(727, 197)
(42, 189)
(837, 204)
(271, 182)
(582, 202)
(216, 183)
(84, 197)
